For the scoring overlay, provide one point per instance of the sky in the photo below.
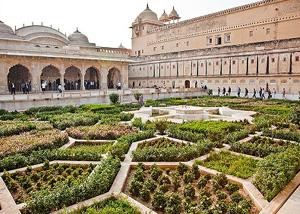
(105, 23)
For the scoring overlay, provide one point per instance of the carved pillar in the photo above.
(82, 78)
(103, 79)
(124, 74)
(62, 73)
(35, 79)
(3, 81)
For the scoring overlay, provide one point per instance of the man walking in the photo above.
(254, 93)
(13, 89)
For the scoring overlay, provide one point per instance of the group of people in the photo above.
(25, 87)
(91, 85)
(262, 93)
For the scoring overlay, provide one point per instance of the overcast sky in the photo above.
(106, 23)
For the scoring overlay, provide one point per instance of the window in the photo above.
(297, 58)
(209, 40)
(273, 59)
(143, 27)
(173, 66)
(233, 62)
(201, 64)
(217, 63)
(194, 65)
(177, 45)
(268, 30)
(47, 46)
(218, 40)
(140, 69)
(162, 47)
(37, 46)
(225, 62)
(154, 48)
(243, 61)
(262, 60)
(284, 59)
(252, 61)
(150, 68)
(251, 33)
(187, 43)
(227, 37)
(209, 63)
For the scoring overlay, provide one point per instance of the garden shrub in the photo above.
(276, 171)
(281, 134)
(173, 205)
(159, 200)
(161, 126)
(114, 98)
(295, 115)
(137, 96)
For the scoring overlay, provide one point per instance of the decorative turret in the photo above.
(164, 17)
(174, 15)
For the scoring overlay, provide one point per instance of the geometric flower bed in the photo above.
(22, 184)
(185, 189)
(226, 162)
(261, 147)
(165, 149)
(100, 132)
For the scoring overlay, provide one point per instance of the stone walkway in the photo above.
(292, 206)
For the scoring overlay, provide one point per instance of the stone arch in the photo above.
(113, 77)
(187, 84)
(92, 78)
(18, 74)
(51, 75)
(72, 78)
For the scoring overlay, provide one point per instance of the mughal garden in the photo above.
(207, 154)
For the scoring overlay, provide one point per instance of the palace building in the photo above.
(36, 54)
(250, 46)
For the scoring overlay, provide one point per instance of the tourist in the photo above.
(229, 91)
(205, 88)
(219, 90)
(263, 93)
(246, 93)
(196, 84)
(269, 94)
(23, 85)
(50, 86)
(260, 92)
(119, 85)
(13, 89)
(283, 94)
(44, 86)
(133, 84)
(59, 90)
(141, 100)
(254, 93)
(239, 92)
(164, 84)
(26, 88)
(76, 85)
(173, 84)
(274, 93)
(139, 84)
(224, 91)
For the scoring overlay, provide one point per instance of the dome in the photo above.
(78, 38)
(174, 15)
(5, 29)
(148, 14)
(164, 17)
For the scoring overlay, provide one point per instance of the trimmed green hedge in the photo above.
(275, 171)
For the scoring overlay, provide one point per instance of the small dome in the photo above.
(174, 15)
(148, 14)
(121, 46)
(5, 29)
(78, 38)
(164, 17)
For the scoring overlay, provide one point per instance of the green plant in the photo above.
(188, 177)
(189, 191)
(182, 168)
(161, 126)
(137, 96)
(295, 115)
(173, 205)
(114, 98)
(202, 183)
(159, 200)
(145, 194)
(150, 184)
(232, 187)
